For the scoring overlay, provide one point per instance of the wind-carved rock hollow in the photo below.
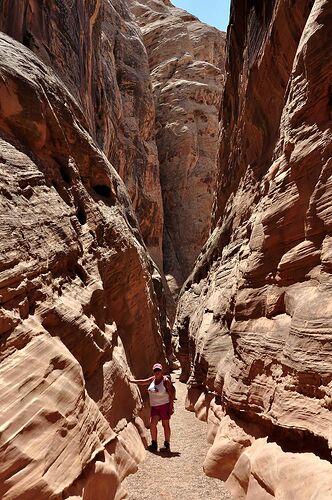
(254, 321)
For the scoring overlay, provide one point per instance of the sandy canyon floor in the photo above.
(179, 475)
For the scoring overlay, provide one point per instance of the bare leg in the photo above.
(167, 430)
(153, 427)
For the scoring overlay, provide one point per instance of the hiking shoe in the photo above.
(166, 448)
(153, 446)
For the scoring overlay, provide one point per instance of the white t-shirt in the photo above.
(158, 394)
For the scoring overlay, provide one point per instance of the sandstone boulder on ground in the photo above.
(187, 61)
(254, 323)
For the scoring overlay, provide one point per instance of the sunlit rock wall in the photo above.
(187, 60)
(81, 299)
(96, 49)
(254, 323)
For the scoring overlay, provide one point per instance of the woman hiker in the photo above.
(161, 395)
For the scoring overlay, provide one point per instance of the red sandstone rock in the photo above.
(255, 315)
(264, 471)
(97, 51)
(77, 287)
(187, 66)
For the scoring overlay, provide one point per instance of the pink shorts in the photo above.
(162, 411)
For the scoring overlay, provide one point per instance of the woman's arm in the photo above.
(143, 381)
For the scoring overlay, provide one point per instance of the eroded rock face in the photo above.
(97, 51)
(128, 110)
(255, 317)
(78, 291)
(187, 66)
(265, 472)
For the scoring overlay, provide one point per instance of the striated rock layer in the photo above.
(96, 50)
(81, 300)
(187, 66)
(254, 322)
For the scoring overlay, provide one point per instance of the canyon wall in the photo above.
(81, 299)
(97, 52)
(254, 322)
(187, 59)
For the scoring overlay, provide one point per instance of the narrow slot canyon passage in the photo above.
(165, 193)
(178, 475)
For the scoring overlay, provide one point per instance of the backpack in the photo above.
(168, 377)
